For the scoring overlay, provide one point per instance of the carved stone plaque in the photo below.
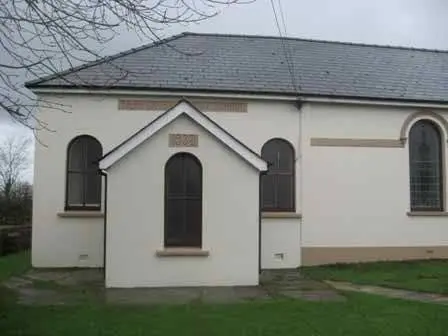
(183, 140)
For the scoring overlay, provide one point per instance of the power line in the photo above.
(282, 16)
(296, 86)
(289, 52)
(288, 57)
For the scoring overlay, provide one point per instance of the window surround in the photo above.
(267, 214)
(68, 208)
(182, 252)
(441, 125)
(291, 210)
(427, 115)
(427, 214)
(80, 214)
(190, 242)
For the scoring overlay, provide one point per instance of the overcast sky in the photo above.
(419, 23)
(416, 23)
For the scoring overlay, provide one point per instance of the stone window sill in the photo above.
(81, 214)
(182, 252)
(281, 215)
(427, 214)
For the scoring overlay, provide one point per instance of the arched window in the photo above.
(426, 169)
(83, 190)
(278, 184)
(183, 201)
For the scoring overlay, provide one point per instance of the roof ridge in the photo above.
(318, 41)
(183, 34)
(105, 59)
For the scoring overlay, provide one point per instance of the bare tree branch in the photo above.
(42, 37)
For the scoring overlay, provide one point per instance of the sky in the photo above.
(415, 23)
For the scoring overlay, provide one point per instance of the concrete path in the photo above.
(390, 292)
(274, 284)
(185, 295)
(72, 286)
(290, 283)
(57, 286)
(54, 287)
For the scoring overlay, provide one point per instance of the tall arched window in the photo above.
(83, 191)
(426, 168)
(183, 201)
(278, 184)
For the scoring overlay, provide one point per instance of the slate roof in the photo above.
(257, 64)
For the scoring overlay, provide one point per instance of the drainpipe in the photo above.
(259, 220)
(299, 105)
(104, 173)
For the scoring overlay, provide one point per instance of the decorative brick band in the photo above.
(346, 142)
(183, 140)
(162, 105)
(142, 104)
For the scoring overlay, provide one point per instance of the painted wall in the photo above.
(357, 196)
(136, 216)
(280, 243)
(77, 242)
(352, 196)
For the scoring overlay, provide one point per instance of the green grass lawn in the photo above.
(361, 314)
(422, 275)
(14, 264)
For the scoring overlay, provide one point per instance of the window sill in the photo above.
(80, 214)
(281, 215)
(182, 252)
(427, 214)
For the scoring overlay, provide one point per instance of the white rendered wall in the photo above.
(135, 228)
(358, 196)
(78, 242)
(280, 243)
